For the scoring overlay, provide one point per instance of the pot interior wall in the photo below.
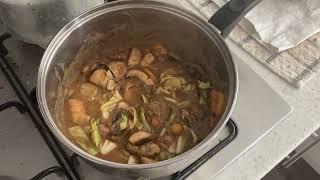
(134, 27)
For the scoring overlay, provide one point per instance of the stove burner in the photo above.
(46, 172)
(15, 104)
(30, 107)
(28, 103)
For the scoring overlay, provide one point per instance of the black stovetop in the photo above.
(19, 71)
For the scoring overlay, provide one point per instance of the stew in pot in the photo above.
(140, 105)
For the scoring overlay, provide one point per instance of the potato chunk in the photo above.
(133, 160)
(107, 147)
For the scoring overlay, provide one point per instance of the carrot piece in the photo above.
(216, 102)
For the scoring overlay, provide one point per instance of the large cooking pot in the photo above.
(136, 23)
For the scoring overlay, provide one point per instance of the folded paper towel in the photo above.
(285, 23)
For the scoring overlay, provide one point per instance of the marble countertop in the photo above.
(287, 135)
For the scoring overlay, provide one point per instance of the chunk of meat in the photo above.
(149, 149)
(132, 93)
(140, 75)
(147, 59)
(99, 77)
(140, 137)
(135, 57)
(116, 155)
(146, 160)
(118, 69)
(78, 112)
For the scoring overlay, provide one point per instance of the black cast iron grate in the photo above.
(67, 165)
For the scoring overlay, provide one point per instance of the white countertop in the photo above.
(287, 135)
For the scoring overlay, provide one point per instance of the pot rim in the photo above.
(85, 17)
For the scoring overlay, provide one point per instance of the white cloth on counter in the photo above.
(296, 65)
(285, 23)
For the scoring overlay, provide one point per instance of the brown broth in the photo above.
(176, 117)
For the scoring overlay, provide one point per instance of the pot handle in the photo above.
(226, 18)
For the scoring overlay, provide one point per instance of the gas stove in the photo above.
(26, 153)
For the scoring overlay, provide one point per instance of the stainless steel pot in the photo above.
(37, 22)
(135, 23)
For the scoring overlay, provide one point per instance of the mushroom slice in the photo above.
(150, 74)
(140, 75)
(99, 77)
(139, 137)
(132, 93)
(149, 149)
(135, 57)
(159, 50)
(118, 69)
(147, 59)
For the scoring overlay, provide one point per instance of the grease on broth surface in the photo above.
(140, 105)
